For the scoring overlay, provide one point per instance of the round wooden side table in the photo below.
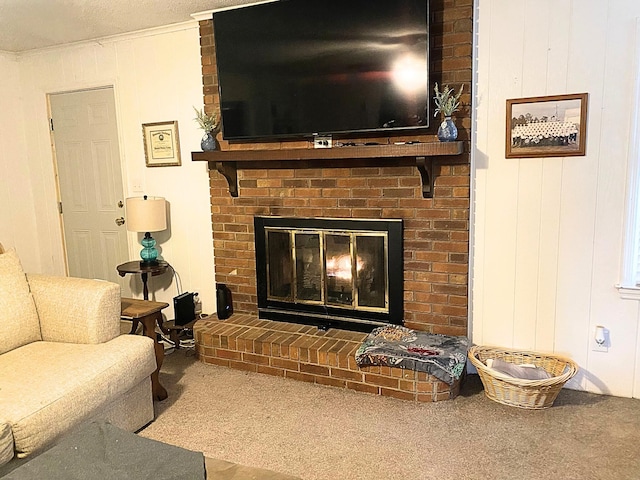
(143, 269)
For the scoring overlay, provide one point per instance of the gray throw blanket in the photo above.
(442, 356)
(100, 451)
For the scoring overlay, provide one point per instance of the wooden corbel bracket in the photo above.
(229, 170)
(425, 167)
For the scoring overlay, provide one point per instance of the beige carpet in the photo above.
(319, 432)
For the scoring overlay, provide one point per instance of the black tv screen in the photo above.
(297, 68)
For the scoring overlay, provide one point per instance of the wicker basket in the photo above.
(531, 394)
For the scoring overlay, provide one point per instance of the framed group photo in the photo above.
(551, 126)
(161, 144)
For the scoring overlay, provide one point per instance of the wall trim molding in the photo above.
(629, 293)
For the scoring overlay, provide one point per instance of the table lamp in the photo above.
(147, 214)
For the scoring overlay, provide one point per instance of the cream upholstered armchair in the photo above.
(63, 361)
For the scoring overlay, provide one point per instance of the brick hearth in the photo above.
(300, 352)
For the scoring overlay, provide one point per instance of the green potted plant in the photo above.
(447, 101)
(208, 123)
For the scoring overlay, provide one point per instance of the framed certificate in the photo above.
(161, 144)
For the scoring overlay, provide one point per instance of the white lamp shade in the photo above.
(146, 214)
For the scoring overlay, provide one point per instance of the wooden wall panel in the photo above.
(579, 185)
(500, 177)
(529, 197)
(556, 39)
(17, 224)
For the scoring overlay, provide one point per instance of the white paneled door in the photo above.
(85, 136)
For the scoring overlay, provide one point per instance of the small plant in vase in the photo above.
(447, 101)
(208, 123)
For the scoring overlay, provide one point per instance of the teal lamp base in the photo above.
(149, 253)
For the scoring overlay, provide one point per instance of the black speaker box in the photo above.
(224, 301)
(184, 308)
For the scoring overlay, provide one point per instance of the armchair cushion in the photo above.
(19, 325)
(76, 310)
(49, 387)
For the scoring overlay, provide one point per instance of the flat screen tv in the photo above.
(298, 68)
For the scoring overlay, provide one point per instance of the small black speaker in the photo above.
(184, 308)
(224, 301)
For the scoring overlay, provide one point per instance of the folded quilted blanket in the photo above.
(442, 356)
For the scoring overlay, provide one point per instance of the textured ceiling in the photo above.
(33, 24)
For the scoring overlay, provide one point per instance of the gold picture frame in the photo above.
(161, 144)
(551, 126)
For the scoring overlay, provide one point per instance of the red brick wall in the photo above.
(436, 235)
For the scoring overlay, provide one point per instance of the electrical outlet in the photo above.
(601, 334)
(320, 141)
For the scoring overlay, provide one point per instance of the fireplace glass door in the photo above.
(342, 269)
(308, 270)
(280, 273)
(330, 272)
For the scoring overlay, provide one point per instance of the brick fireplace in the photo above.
(436, 230)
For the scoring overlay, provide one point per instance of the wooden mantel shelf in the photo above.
(228, 162)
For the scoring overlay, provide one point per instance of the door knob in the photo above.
(120, 221)
(120, 204)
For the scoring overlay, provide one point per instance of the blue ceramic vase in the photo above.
(208, 142)
(447, 132)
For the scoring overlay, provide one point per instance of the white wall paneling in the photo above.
(17, 223)
(548, 233)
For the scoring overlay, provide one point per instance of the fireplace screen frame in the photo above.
(322, 313)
